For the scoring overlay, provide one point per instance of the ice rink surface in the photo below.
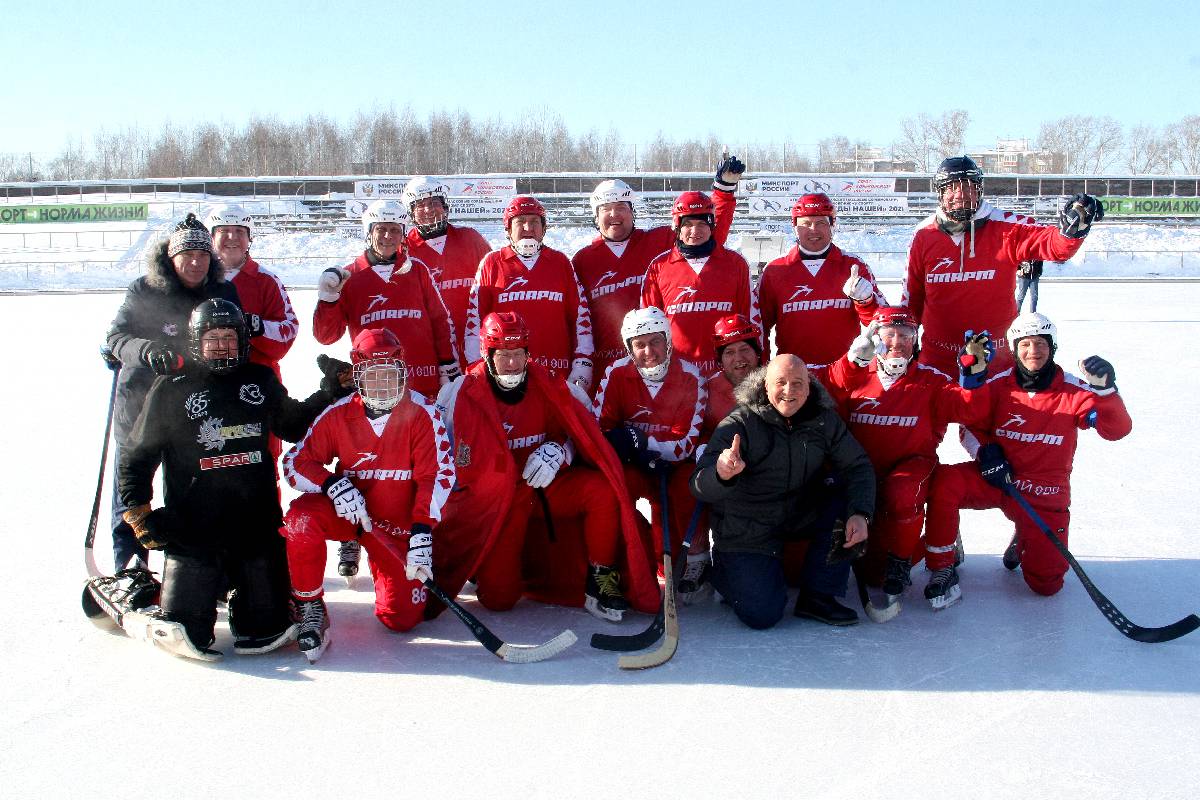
(1004, 695)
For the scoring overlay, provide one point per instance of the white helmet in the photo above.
(424, 186)
(1032, 324)
(612, 191)
(384, 211)
(229, 214)
(640, 322)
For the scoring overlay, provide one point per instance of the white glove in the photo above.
(856, 288)
(419, 566)
(447, 373)
(348, 502)
(581, 374)
(329, 285)
(543, 464)
(862, 350)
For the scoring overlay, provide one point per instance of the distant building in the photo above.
(870, 159)
(1017, 157)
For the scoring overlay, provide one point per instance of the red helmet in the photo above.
(692, 204)
(814, 205)
(503, 330)
(735, 328)
(375, 343)
(523, 204)
(894, 315)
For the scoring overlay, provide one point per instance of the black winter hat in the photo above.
(189, 235)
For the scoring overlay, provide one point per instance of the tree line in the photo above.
(391, 141)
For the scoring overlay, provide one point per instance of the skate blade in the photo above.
(350, 580)
(698, 596)
(606, 614)
(515, 654)
(952, 596)
(315, 653)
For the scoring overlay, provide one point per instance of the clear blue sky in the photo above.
(746, 72)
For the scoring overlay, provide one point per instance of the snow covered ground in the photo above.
(1004, 695)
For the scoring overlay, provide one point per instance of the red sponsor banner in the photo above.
(231, 460)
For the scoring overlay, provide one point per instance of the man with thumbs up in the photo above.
(815, 297)
(764, 475)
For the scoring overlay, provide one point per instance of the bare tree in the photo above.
(833, 148)
(1184, 144)
(926, 140)
(1086, 144)
(1147, 151)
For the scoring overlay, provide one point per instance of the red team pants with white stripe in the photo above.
(578, 497)
(959, 486)
(899, 515)
(311, 521)
(643, 483)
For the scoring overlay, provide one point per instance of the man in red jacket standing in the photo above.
(816, 297)
(697, 281)
(451, 252)
(384, 288)
(265, 301)
(612, 267)
(1027, 419)
(537, 282)
(963, 261)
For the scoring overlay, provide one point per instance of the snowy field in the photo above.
(1004, 695)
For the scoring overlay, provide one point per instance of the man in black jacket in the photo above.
(208, 426)
(764, 472)
(149, 337)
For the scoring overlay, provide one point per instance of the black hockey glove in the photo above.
(254, 325)
(1099, 374)
(1076, 217)
(729, 172)
(838, 552)
(338, 376)
(973, 359)
(628, 443)
(152, 528)
(110, 358)
(163, 360)
(994, 467)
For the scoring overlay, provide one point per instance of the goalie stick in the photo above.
(1112, 614)
(514, 654)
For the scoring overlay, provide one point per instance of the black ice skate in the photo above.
(348, 556)
(943, 590)
(313, 636)
(1012, 554)
(603, 594)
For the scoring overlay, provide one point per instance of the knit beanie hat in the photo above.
(189, 235)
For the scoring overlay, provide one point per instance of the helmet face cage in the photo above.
(212, 315)
(951, 172)
(419, 189)
(380, 380)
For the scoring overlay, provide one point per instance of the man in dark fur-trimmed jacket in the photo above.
(148, 337)
(765, 474)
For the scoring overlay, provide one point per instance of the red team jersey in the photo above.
(612, 275)
(405, 474)
(949, 291)
(1038, 431)
(406, 303)
(720, 403)
(547, 296)
(694, 301)
(452, 269)
(670, 418)
(811, 316)
(261, 292)
(907, 419)
(528, 425)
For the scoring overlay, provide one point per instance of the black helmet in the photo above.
(212, 314)
(951, 171)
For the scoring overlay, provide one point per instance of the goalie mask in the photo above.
(431, 223)
(643, 321)
(380, 374)
(895, 339)
(217, 336)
